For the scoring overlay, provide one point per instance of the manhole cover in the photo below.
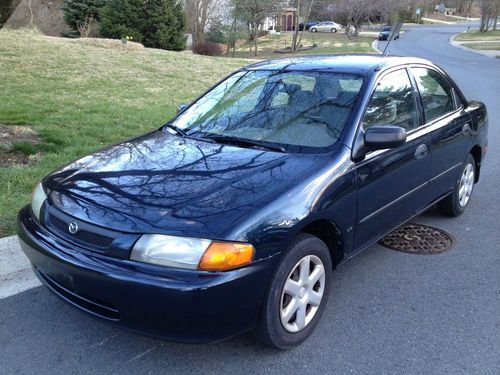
(418, 239)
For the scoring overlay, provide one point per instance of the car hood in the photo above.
(162, 183)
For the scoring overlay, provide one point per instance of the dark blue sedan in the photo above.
(232, 216)
(386, 32)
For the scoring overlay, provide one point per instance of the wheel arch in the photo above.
(476, 153)
(328, 232)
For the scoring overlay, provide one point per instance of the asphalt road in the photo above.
(389, 312)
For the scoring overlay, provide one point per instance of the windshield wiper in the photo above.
(184, 134)
(244, 142)
(176, 129)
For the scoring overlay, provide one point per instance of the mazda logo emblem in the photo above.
(73, 227)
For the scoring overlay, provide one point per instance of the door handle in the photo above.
(466, 129)
(421, 151)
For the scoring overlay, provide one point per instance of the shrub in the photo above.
(81, 15)
(216, 33)
(154, 23)
(260, 34)
(208, 48)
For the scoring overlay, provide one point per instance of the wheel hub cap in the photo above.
(466, 185)
(302, 293)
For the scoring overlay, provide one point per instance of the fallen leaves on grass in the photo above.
(10, 137)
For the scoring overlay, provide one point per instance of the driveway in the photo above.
(389, 312)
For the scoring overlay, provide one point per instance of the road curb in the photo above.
(375, 46)
(460, 45)
(16, 275)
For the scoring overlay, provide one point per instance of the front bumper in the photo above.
(178, 305)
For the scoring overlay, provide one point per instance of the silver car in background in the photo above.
(326, 27)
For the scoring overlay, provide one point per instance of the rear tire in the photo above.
(298, 294)
(455, 204)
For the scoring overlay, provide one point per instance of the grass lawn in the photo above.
(477, 36)
(326, 43)
(80, 96)
(484, 46)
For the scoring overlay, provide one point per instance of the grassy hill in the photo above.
(80, 95)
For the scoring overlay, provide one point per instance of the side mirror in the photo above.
(378, 138)
(381, 137)
(181, 108)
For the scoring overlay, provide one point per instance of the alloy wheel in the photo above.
(466, 185)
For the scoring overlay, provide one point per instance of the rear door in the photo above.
(392, 184)
(449, 127)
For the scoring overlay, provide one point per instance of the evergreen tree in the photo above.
(81, 15)
(155, 23)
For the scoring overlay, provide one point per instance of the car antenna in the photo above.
(396, 26)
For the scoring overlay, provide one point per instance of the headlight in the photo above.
(191, 253)
(37, 199)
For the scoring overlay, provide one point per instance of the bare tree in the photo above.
(303, 12)
(31, 14)
(85, 27)
(198, 13)
(489, 15)
(254, 12)
(496, 14)
(464, 7)
(356, 11)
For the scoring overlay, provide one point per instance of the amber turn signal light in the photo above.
(223, 256)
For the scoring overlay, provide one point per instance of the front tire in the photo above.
(297, 295)
(334, 30)
(455, 204)
(314, 30)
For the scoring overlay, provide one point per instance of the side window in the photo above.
(392, 103)
(435, 91)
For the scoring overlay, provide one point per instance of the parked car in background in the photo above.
(233, 215)
(326, 27)
(386, 31)
(309, 24)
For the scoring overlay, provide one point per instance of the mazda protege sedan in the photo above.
(232, 216)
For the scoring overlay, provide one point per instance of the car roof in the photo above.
(352, 63)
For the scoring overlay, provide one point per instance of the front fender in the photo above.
(328, 194)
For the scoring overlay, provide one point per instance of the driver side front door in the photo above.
(392, 184)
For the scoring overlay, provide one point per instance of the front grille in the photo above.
(89, 238)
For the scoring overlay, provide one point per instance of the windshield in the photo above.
(294, 108)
